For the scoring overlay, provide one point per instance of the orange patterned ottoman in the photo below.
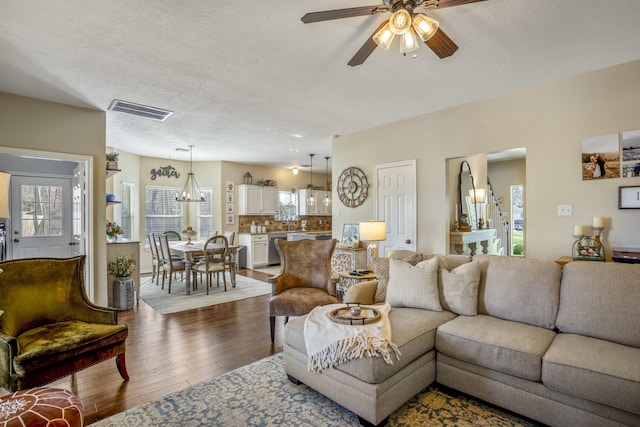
(41, 407)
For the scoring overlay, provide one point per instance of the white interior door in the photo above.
(41, 213)
(396, 204)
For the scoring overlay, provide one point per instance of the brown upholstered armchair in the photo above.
(49, 328)
(305, 280)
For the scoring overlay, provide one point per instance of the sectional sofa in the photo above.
(558, 346)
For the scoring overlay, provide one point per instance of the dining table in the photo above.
(188, 250)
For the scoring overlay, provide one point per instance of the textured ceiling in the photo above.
(244, 77)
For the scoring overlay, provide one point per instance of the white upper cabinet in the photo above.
(257, 200)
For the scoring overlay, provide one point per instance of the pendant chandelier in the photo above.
(327, 199)
(311, 200)
(191, 191)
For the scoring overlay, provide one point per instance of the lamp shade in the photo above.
(4, 194)
(400, 22)
(424, 26)
(408, 42)
(477, 195)
(373, 230)
(384, 37)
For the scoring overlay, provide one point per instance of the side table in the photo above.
(347, 280)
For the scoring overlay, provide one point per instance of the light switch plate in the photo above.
(565, 210)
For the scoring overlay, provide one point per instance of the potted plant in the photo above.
(112, 160)
(123, 292)
(122, 266)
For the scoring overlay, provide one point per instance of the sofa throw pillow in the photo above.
(458, 288)
(414, 286)
(381, 269)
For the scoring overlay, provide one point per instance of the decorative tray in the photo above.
(345, 316)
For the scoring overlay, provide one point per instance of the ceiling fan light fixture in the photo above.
(295, 170)
(400, 22)
(424, 26)
(408, 42)
(384, 37)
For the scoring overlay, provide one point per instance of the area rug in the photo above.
(177, 300)
(260, 394)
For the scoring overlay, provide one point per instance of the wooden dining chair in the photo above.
(156, 259)
(170, 265)
(230, 235)
(173, 235)
(215, 252)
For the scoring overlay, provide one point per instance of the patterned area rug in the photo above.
(260, 394)
(177, 300)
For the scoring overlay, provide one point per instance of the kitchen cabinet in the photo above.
(318, 207)
(257, 200)
(257, 249)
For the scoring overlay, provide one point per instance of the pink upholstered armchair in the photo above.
(305, 280)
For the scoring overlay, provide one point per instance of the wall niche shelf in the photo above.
(111, 172)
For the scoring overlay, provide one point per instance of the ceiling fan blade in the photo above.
(367, 48)
(441, 44)
(439, 4)
(328, 15)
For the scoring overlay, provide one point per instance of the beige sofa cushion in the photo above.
(601, 300)
(381, 269)
(413, 286)
(412, 330)
(510, 347)
(594, 369)
(519, 289)
(458, 287)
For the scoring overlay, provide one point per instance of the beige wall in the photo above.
(31, 124)
(549, 121)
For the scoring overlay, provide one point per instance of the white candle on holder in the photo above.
(598, 222)
(578, 230)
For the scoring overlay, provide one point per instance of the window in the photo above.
(517, 220)
(126, 214)
(204, 214)
(287, 206)
(41, 210)
(161, 210)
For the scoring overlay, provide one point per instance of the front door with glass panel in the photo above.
(41, 213)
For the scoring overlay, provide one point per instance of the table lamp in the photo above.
(478, 197)
(372, 231)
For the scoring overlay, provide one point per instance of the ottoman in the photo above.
(369, 387)
(41, 407)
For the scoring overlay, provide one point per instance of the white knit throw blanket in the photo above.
(330, 344)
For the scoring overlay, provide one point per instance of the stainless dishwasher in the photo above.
(274, 257)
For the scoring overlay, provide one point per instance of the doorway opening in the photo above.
(48, 201)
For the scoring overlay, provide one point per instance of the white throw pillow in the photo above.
(459, 289)
(414, 286)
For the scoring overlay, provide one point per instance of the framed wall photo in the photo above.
(350, 233)
(229, 208)
(230, 186)
(629, 197)
(230, 198)
(231, 219)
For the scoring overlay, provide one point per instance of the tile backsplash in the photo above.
(314, 223)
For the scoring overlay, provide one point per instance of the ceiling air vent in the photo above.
(139, 110)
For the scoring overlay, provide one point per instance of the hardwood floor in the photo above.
(167, 353)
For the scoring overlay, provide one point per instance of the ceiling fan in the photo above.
(404, 23)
